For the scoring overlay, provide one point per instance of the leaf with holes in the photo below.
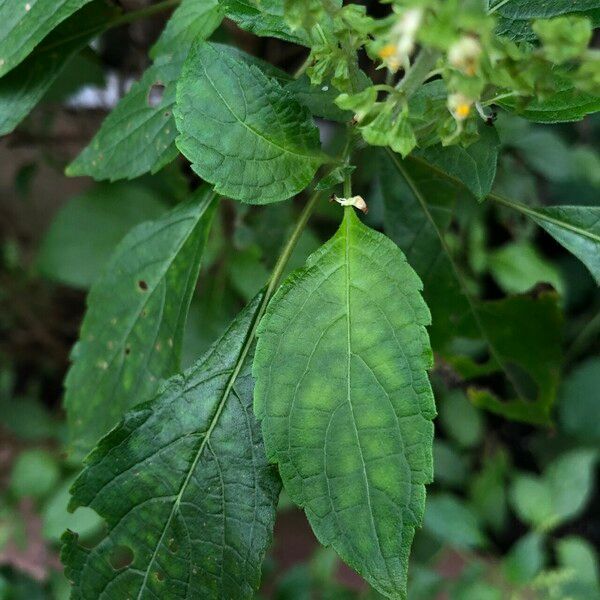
(26, 85)
(25, 24)
(241, 130)
(184, 486)
(138, 136)
(132, 333)
(345, 402)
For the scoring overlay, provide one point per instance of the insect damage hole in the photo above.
(120, 557)
(155, 95)
(143, 285)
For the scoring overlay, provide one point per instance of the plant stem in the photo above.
(418, 72)
(587, 335)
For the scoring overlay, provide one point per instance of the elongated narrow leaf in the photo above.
(26, 85)
(193, 20)
(345, 401)
(24, 25)
(419, 205)
(241, 130)
(132, 333)
(264, 18)
(474, 165)
(577, 228)
(184, 486)
(138, 136)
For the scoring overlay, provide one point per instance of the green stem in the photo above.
(418, 72)
(588, 335)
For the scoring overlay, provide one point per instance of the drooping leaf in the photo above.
(263, 18)
(419, 210)
(474, 165)
(132, 333)
(566, 104)
(515, 16)
(138, 136)
(24, 25)
(577, 228)
(192, 20)
(241, 130)
(87, 229)
(343, 354)
(184, 486)
(27, 84)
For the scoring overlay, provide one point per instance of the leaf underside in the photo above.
(132, 333)
(241, 130)
(184, 486)
(345, 401)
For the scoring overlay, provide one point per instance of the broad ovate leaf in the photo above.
(474, 165)
(23, 25)
(345, 401)
(241, 131)
(132, 333)
(184, 486)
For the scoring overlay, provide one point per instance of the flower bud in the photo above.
(464, 55)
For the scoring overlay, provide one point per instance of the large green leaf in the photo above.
(241, 130)
(132, 333)
(474, 165)
(419, 210)
(23, 25)
(139, 134)
(87, 229)
(184, 486)
(515, 16)
(345, 401)
(26, 85)
(264, 18)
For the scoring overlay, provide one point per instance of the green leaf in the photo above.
(566, 104)
(461, 421)
(579, 555)
(560, 494)
(184, 486)
(34, 474)
(139, 134)
(451, 521)
(518, 266)
(87, 229)
(241, 130)
(132, 332)
(263, 18)
(24, 25)
(319, 99)
(343, 353)
(474, 165)
(525, 559)
(25, 86)
(515, 16)
(577, 228)
(419, 210)
(579, 402)
(193, 20)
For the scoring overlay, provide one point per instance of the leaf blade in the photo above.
(346, 483)
(201, 426)
(241, 131)
(132, 333)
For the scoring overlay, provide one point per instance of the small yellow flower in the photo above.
(460, 106)
(465, 54)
